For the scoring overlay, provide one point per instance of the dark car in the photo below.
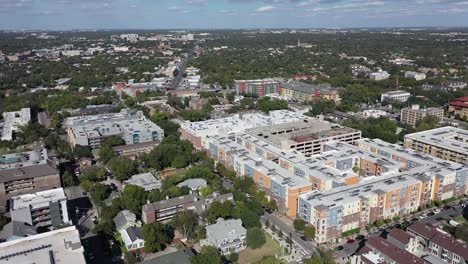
(446, 207)
(397, 226)
(339, 247)
(414, 219)
(360, 237)
(430, 214)
(350, 241)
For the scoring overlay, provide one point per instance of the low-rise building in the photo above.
(440, 245)
(125, 219)
(448, 143)
(144, 180)
(58, 246)
(133, 151)
(418, 76)
(226, 235)
(16, 230)
(459, 107)
(133, 239)
(24, 180)
(379, 76)
(23, 159)
(193, 184)
(413, 115)
(395, 96)
(402, 240)
(166, 209)
(41, 209)
(92, 130)
(373, 113)
(12, 121)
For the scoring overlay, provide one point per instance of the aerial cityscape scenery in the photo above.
(234, 131)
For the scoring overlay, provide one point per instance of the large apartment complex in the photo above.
(341, 186)
(132, 127)
(258, 88)
(448, 143)
(304, 92)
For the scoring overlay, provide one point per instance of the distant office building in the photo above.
(398, 96)
(91, 130)
(413, 115)
(308, 92)
(448, 143)
(459, 107)
(379, 76)
(12, 121)
(41, 209)
(258, 88)
(418, 76)
(58, 246)
(24, 180)
(226, 235)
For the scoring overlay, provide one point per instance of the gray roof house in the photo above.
(15, 230)
(133, 238)
(226, 235)
(193, 184)
(125, 219)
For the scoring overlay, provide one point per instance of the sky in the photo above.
(217, 14)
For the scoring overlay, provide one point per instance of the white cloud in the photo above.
(265, 9)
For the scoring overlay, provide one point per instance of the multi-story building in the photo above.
(166, 209)
(12, 121)
(413, 115)
(459, 107)
(439, 245)
(308, 92)
(448, 143)
(373, 113)
(418, 76)
(44, 209)
(131, 89)
(29, 179)
(195, 132)
(133, 151)
(226, 235)
(258, 88)
(132, 127)
(307, 136)
(57, 246)
(395, 96)
(379, 76)
(22, 159)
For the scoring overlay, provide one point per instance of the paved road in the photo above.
(182, 67)
(306, 246)
(449, 120)
(446, 215)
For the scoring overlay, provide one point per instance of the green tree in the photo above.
(249, 218)
(299, 224)
(309, 232)
(122, 167)
(82, 152)
(99, 192)
(133, 198)
(155, 196)
(3, 221)
(233, 257)
(68, 179)
(156, 236)
(205, 191)
(270, 260)
(255, 237)
(461, 232)
(185, 222)
(106, 153)
(207, 255)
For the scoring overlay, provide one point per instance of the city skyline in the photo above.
(217, 14)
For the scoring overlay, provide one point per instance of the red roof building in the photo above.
(459, 106)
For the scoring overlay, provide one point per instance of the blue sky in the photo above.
(155, 14)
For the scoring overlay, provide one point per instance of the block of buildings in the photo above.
(166, 209)
(378, 250)
(12, 121)
(125, 219)
(395, 96)
(258, 88)
(226, 235)
(448, 143)
(23, 159)
(146, 181)
(459, 107)
(303, 92)
(92, 130)
(41, 209)
(441, 246)
(195, 132)
(418, 76)
(379, 76)
(58, 246)
(411, 115)
(29, 179)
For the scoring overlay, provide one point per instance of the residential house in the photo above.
(226, 235)
(133, 239)
(125, 219)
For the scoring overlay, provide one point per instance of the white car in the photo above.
(436, 211)
(422, 216)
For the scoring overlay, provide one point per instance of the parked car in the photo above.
(360, 237)
(430, 214)
(414, 219)
(436, 211)
(350, 241)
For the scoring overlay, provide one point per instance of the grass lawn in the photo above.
(460, 219)
(271, 248)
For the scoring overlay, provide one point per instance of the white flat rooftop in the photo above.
(38, 199)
